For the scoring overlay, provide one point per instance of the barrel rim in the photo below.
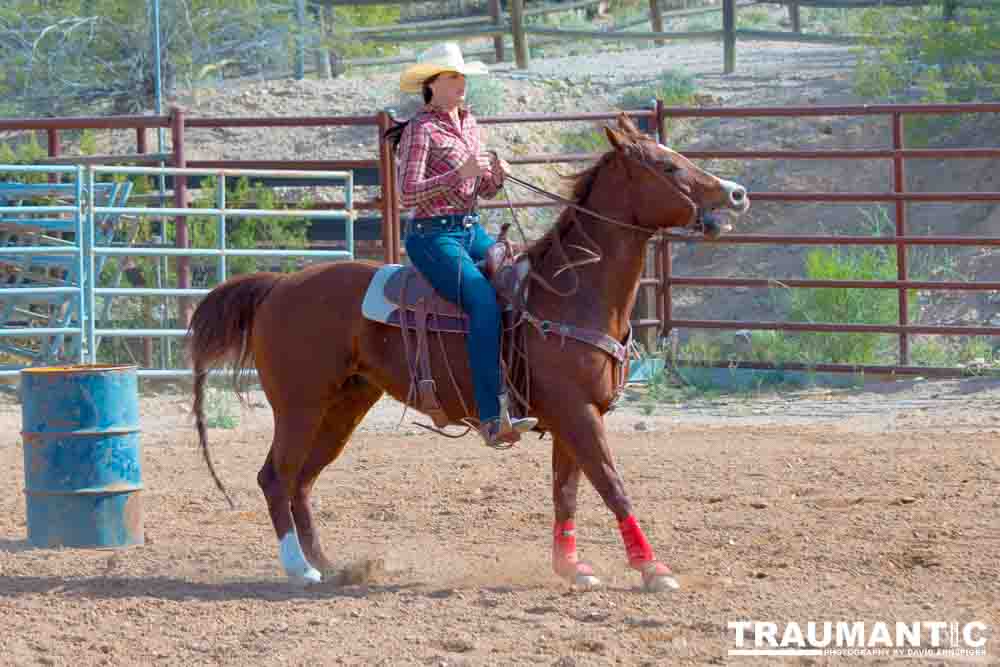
(79, 369)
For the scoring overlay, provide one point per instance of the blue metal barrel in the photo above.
(82, 473)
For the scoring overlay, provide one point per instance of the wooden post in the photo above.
(520, 39)
(497, 13)
(793, 16)
(656, 19)
(300, 39)
(325, 16)
(729, 35)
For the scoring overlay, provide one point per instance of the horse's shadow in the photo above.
(179, 589)
(15, 546)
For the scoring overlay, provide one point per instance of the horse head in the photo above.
(667, 190)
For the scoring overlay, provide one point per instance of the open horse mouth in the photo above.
(711, 226)
(737, 203)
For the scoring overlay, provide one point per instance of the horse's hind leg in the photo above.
(342, 417)
(294, 433)
(305, 441)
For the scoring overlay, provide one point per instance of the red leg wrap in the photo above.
(564, 559)
(636, 547)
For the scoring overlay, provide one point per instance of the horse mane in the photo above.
(583, 185)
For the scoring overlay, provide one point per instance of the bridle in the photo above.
(697, 227)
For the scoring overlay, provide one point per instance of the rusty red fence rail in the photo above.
(898, 196)
(663, 281)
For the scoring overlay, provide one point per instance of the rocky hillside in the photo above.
(768, 74)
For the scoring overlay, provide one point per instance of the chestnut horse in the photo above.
(322, 365)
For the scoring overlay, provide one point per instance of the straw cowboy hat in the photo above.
(446, 57)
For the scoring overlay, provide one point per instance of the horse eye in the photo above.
(670, 168)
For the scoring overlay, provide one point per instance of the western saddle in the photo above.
(414, 305)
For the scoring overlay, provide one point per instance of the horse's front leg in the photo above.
(582, 433)
(565, 484)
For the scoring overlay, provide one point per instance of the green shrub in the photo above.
(587, 141)
(752, 17)
(673, 87)
(485, 94)
(911, 51)
(23, 152)
(221, 408)
(347, 45)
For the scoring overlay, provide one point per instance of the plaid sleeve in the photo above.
(415, 187)
(492, 182)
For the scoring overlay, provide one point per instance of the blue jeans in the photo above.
(447, 260)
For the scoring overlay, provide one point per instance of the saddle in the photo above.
(400, 296)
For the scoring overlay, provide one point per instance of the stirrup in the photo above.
(502, 433)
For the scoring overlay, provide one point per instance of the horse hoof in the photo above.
(579, 575)
(660, 584)
(587, 582)
(308, 577)
(657, 577)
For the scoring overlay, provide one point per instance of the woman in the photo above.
(442, 171)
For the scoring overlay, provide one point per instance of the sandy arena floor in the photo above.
(867, 505)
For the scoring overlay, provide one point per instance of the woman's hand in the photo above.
(475, 166)
(499, 166)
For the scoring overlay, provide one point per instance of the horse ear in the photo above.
(616, 140)
(626, 125)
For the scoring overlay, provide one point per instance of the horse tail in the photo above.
(220, 331)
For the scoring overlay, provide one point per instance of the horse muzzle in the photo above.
(708, 224)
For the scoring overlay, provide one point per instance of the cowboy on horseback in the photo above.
(442, 172)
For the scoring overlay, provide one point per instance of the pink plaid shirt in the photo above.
(431, 149)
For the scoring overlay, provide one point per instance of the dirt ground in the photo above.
(871, 504)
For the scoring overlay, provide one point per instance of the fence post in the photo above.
(394, 209)
(661, 131)
(794, 17)
(656, 19)
(497, 13)
(899, 185)
(388, 179)
(185, 307)
(665, 269)
(54, 151)
(300, 39)
(142, 148)
(520, 39)
(729, 35)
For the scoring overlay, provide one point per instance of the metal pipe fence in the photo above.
(664, 280)
(87, 249)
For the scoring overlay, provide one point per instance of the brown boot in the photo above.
(503, 432)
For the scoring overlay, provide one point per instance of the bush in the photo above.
(673, 87)
(910, 52)
(485, 94)
(587, 141)
(845, 305)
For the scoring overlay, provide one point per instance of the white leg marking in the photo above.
(294, 561)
